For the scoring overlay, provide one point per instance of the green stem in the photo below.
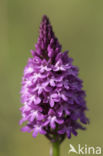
(55, 149)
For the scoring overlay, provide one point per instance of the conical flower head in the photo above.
(51, 93)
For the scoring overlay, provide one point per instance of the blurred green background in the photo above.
(79, 26)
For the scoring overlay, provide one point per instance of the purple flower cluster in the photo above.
(51, 93)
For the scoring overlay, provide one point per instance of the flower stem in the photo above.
(55, 149)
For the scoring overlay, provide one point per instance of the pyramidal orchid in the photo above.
(52, 96)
